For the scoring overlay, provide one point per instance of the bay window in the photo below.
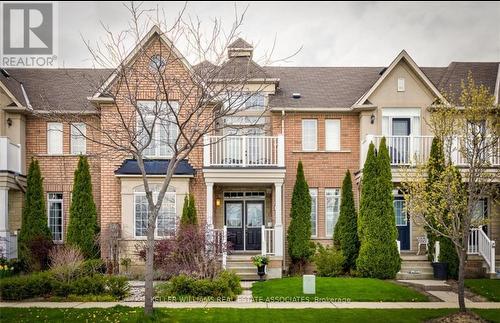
(166, 219)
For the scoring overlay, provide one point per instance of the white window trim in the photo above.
(155, 196)
(315, 148)
(49, 200)
(80, 133)
(339, 196)
(49, 139)
(401, 87)
(339, 148)
(316, 211)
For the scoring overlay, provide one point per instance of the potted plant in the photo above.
(260, 262)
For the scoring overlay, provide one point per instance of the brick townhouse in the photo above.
(323, 116)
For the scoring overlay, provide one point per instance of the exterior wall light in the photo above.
(217, 202)
(372, 118)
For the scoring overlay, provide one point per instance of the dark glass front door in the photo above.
(402, 222)
(244, 220)
(253, 220)
(234, 223)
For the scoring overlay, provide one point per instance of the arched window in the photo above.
(167, 217)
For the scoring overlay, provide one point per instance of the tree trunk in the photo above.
(149, 291)
(461, 280)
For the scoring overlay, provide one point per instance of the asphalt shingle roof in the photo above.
(154, 167)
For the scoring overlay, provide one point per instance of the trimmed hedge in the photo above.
(45, 284)
(227, 285)
(329, 261)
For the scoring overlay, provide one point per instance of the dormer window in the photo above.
(401, 84)
(157, 63)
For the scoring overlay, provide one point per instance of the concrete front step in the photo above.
(249, 276)
(239, 264)
(419, 264)
(244, 270)
(412, 257)
(409, 276)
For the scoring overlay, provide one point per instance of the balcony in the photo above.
(411, 150)
(10, 156)
(244, 151)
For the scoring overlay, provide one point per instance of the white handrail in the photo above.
(268, 241)
(243, 151)
(480, 244)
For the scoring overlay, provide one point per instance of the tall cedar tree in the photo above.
(35, 238)
(300, 247)
(378, 255)
(346, 231)
(368, 186)
(189, 214)
(448, 254)
(83, 227)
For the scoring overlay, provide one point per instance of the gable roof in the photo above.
(155, 31)
(240, 43)
(417, 70)
(321, 87)
(63, 89)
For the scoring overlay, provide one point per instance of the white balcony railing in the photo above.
(480, 244)
(244, 151)
(10, 156)
(268, 241)
(410, 150)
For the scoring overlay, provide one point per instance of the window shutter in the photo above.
(332, 134)
(54, 138)
(386, 131)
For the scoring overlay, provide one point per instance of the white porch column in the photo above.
(210, 205)
(278, 225)
(4, 221)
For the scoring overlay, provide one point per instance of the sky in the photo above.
(326, 34)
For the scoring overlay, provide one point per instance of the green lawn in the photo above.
(489, 288)
(332, 289)
(126, 314)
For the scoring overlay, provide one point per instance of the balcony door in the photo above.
(399, 144)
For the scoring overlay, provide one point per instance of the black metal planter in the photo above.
(261, 271)
(440, 270)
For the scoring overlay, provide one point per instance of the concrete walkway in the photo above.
(281, 305)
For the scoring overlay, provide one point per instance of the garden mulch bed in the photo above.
(467, 317)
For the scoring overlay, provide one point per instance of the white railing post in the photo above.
(206, 151)
(263, 240)
(399, 246)
(224, 247)
(281, 151)
(437, 251)
(492, 258)
(243, 151)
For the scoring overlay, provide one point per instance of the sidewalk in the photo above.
(283, 305)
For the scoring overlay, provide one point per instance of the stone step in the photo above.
(249, 276)
(414, 276)
(416, 264)
(411, 257)
(247, 264)
(417, 271)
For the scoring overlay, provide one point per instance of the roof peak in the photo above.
(240, 43)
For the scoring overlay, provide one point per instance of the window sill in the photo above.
(322, 151)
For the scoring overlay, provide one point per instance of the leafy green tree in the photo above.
(346, 231)
(378, 255)
(35, 238)
(189, 214)
(300, 246)
(435, 167)
(83, 227)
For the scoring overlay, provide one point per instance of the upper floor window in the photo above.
(401, 84)
(332, 135)
(242, 101)
(332, 209)
(309, 134)
(54, 138)
(55, 215)
(157, 63)
(78, 143)
(166, 220)
(156, 125)
(314, 211)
